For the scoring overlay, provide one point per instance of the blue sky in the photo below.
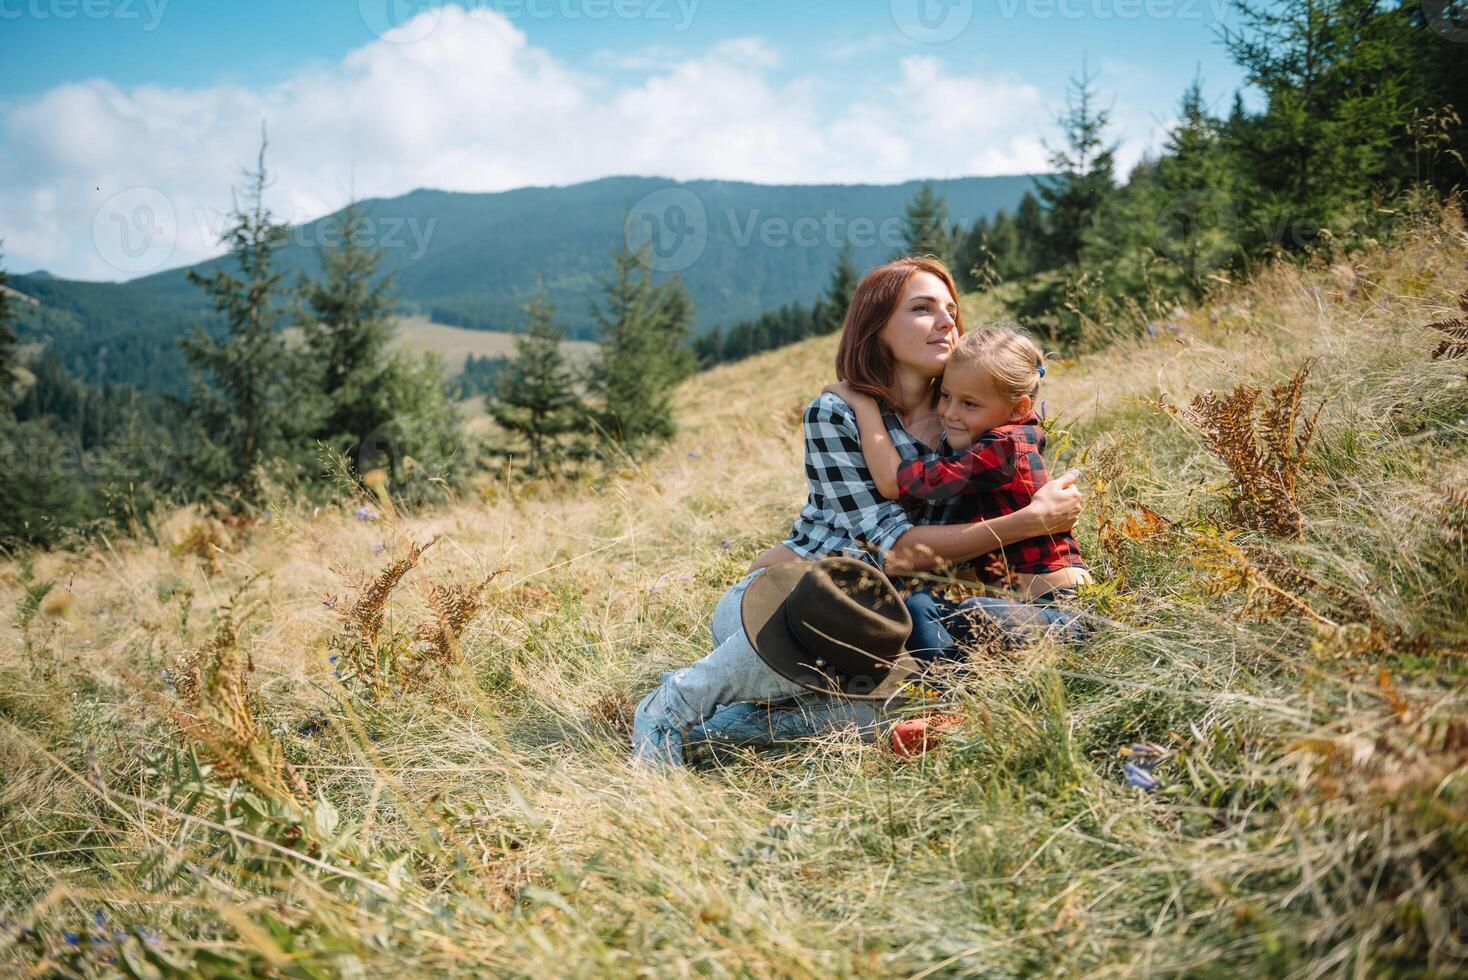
(163, 99)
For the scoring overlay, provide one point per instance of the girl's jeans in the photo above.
(731, 698)
(939, 625)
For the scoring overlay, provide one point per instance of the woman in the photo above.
(897, 337)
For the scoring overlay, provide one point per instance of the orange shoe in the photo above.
(913, 737)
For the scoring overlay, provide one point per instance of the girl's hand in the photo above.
(845, 392)
(1057, 505)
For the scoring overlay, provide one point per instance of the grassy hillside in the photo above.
(476, 816)
(454, 345)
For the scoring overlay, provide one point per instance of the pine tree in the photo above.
(1030, 229)
(674, 318)
(1085, 174)
(926, 230)
(8, 355)
(643, 351)
(1009, 256)
(246, 400)
(1341, 80)
(535, 395)
(347, 333)
(839, 292)
(1197, 221)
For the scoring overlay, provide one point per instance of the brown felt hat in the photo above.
(836, 626)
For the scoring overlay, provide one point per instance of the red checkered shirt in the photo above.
(997, 475)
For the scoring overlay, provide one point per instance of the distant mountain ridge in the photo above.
(472, 259)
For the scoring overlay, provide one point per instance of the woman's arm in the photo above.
(839, 480)
(881, 456)
(1054, 509)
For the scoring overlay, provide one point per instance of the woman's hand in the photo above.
(1057, 505)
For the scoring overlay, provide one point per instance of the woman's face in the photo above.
(921, 332)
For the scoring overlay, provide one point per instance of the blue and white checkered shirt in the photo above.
(844, 513)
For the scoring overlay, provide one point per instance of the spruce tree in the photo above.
(535, 395)
(972, 263)
(1007, 251)
(644, 355)
(246, 401)
(1196, 223)
(674, 318)
(839, 292)
(1348, 84)
(926, 231)
(1030, 229)
(348, 331)
(8, 353)
(1085, 174)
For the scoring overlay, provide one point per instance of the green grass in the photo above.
(1310, 821)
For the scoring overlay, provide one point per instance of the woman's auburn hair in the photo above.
(862, 360)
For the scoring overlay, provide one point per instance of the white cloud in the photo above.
(846, 50)
(473, 106)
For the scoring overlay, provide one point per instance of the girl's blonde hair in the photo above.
(1007, 356)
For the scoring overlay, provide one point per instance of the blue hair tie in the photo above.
(1041, 369)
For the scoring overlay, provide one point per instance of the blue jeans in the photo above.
(940, 625)
(731, 698)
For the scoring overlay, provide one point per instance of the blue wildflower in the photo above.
(365, 513)
(1139, 777)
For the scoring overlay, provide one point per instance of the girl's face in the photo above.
(970, 404)
(921, 332)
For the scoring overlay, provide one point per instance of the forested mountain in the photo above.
(473, 260)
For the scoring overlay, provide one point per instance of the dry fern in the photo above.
(216, 712)
(453, 607)
(1263, 454)
(1455, 340)
(1227, 567)
(359, 652)
(372, 662)
(1409, 751)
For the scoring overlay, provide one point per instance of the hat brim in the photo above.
(764, 623)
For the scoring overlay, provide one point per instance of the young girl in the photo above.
(987, 404)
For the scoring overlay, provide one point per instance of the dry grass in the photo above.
(1311, 709)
